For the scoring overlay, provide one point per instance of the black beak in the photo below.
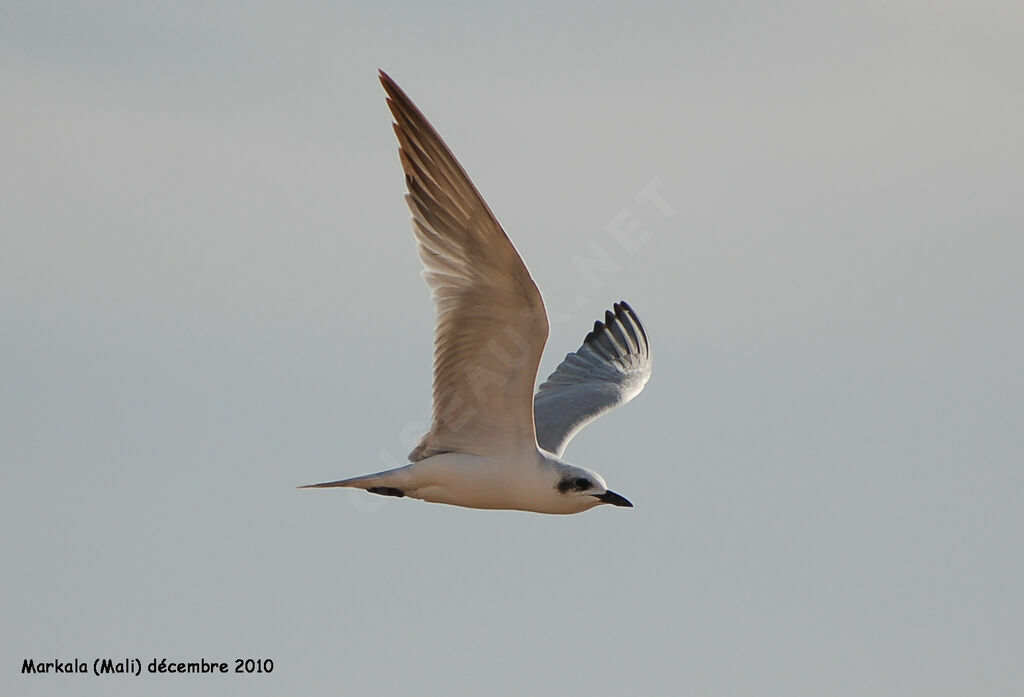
(614, 499)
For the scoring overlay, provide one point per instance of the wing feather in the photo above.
(610, 368)
(491, 324)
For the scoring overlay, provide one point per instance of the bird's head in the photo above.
(582, 489)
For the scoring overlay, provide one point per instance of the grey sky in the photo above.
(209, 294)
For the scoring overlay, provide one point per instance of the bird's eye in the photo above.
(582, 484)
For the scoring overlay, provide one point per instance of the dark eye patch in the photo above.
(579, 484)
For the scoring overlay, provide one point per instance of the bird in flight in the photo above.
(494, 443)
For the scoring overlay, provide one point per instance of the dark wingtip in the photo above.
(624, 307)
(624, 313)
(392, 89)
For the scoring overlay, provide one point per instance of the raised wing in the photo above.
(491, 324)
(609, 369)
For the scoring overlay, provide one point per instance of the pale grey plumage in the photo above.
(609, 369)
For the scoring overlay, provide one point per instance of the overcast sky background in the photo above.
(209, 294)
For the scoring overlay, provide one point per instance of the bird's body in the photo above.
(524, 481)
(493, 443)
